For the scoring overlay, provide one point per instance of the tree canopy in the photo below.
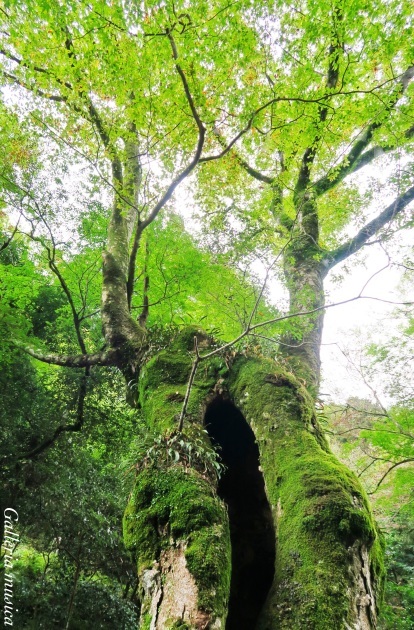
(278, 105)
(163, 165)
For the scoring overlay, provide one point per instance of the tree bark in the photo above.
(328, 571)
(304, 278)
(304, 273)
(122, 332)
(179, 523)
(175, 524)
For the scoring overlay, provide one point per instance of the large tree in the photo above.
(264, 112)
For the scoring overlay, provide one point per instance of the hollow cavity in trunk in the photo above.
(251, 527)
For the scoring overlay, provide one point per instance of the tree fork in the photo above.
(328, 567)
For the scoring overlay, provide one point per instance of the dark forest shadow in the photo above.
(251, 527)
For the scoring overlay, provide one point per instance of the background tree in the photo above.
(279, 114)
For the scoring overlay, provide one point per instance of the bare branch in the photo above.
(404, 461)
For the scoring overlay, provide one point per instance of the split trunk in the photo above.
(284, 539)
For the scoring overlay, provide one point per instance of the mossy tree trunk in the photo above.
(305, 270)
(175, 524)
(327, 571)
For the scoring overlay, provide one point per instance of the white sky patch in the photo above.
(351, 326)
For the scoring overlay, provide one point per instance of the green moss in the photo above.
(140, 527)
(378, 566)
(167, 374)
(208, 560)
(179, 625)
(165, 367)
(146, 622)
(162, 406)
(320, 508)
(171, 504)
(177, 504)
(184, 340)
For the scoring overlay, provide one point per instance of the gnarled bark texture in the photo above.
(320, 533)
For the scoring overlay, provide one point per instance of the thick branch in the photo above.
(37, 91)
(132, 262)
(200, 143)
(334, 54)
(227, 147)
(108, 357)
(145, 309)
(276, 99)
(132, 177)
(185, 85)
(356, 159)
(354, 244)
(23, 64)
(7, 242)
(368, 156)
(20, 62)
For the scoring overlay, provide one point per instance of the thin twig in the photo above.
(248, 330)
(404, 461)
(189, 386)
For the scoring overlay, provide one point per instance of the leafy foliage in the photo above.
(191, 451)
(399, 603)
(109, 107)
(43, 587)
